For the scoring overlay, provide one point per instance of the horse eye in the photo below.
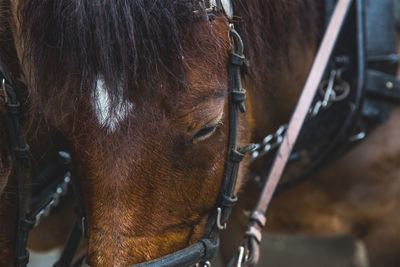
(204, 133)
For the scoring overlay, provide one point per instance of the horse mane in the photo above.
(269, 29)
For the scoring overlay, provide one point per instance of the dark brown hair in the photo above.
(70, 44)
(73, 43)
(269, 27)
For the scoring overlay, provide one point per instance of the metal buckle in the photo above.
(219, 216)
(240, 257)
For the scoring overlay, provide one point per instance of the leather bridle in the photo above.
(57, 174)
(19, 154)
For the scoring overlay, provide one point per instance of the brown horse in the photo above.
(139, 90)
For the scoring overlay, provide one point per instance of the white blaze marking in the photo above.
(102, 107)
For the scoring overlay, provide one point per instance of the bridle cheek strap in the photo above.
(20, 155)
(207, 248)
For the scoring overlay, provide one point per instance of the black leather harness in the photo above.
(366, 58)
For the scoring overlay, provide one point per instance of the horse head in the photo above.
(139, 90)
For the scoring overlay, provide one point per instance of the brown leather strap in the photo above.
(257, 219)
(304, 103)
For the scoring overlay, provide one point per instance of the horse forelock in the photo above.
(69, 44)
